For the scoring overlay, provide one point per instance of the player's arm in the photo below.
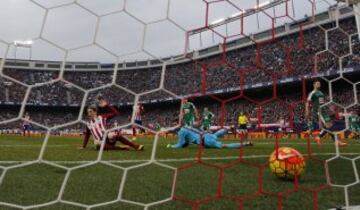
(86, 138)
(112, 110)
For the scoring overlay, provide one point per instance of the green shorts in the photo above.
(189, 120)
(324, 117)
(318, 118)
(205, 126)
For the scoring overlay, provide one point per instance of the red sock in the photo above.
(125, 141)
(134, 131)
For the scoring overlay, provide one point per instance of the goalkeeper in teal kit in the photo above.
(188, 136)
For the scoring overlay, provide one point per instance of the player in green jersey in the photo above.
(353, 120)
(354, 123)
(189, 113)
(207, 119)
(318, 115)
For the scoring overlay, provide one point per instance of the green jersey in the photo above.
(207, 118)
(188, 109)
(354, 122)
(317, 98)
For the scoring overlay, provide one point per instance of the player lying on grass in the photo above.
(319, 115)
(188, 136)
(97, 125)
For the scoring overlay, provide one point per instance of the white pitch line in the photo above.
(170, 160)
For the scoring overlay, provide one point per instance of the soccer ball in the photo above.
(286, 163)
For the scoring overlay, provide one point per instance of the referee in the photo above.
(242, 123)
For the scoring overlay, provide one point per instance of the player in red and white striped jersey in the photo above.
(97, 126)
(139, 110)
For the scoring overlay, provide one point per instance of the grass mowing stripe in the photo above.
(67, 145)
(172, 160)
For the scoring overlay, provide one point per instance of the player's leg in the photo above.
(28, 130)
(243, 131)
(120, 138)
(237, 145)
(312, 125)
(219, 145)
(134, 132)
(220, 133)
(327, 123)
(212, 141)
(111, 145)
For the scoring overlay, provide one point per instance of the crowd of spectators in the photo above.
(288, 106)
(289, 56)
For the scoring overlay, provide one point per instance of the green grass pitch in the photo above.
(246, 184)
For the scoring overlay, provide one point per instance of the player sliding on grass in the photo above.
(97, 125)
(188, 136)
(319, 115)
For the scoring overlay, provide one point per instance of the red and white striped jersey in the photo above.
(97, 127)
(139, 109)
